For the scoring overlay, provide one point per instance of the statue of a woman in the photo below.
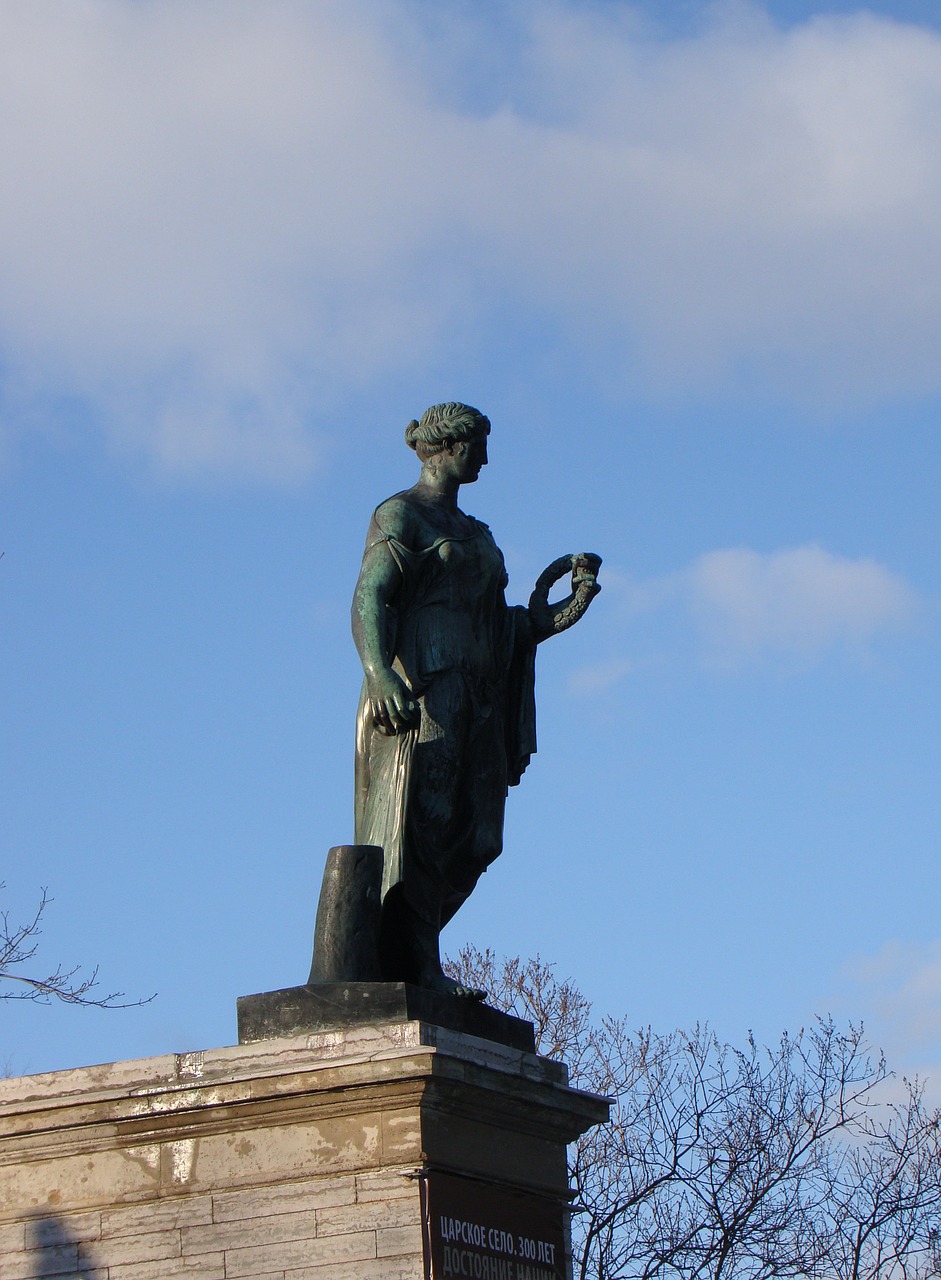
(447, 715)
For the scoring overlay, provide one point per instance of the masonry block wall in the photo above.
(365, 1226)
(294, 1159)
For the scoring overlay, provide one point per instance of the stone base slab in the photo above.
(302, 1158)
(344, 1005)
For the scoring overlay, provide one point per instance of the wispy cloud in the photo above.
(799, 602)
(795, 605)
(899, 988)
(218, 217)
(598, 676)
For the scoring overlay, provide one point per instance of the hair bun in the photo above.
(411, 434)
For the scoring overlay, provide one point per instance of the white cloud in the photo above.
(218, 216)
(745, 605)
(598, 677)
(800, 602)
(899, 987)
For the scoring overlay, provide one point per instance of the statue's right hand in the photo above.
(391, 705)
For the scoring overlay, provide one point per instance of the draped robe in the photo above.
(433, 797)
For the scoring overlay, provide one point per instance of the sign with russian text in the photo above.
(479, 1231)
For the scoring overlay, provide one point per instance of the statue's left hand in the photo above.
(550, 619)
(585, 566)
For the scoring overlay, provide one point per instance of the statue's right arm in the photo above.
(391, 705)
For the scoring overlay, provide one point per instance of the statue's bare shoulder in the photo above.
(411, 520)
(394, 519)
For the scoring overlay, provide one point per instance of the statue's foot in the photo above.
(449, 987)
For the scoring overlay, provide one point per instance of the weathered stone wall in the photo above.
(294, 1159)
(366, 1226)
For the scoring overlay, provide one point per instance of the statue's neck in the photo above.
(438, 489)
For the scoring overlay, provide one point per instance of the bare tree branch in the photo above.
(746, 1163)
(19, 945)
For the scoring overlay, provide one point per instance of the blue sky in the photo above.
(688, 259)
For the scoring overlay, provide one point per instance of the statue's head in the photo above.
(443, 425)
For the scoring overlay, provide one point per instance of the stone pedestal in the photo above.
(391, 1151)
(335, 1006)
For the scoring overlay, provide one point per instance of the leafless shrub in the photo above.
(745, 1163)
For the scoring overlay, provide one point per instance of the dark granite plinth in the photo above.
(335, 1005)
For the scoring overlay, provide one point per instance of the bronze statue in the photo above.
(447, 715)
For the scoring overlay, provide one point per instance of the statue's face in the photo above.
(469, 457)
